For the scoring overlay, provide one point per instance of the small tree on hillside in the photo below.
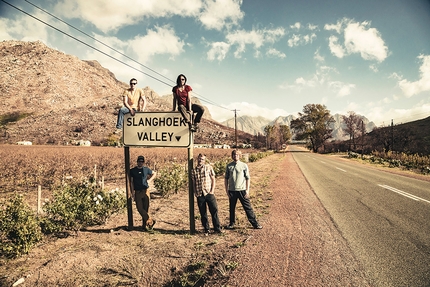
(313, 125)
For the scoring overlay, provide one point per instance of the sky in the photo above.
(250, 57)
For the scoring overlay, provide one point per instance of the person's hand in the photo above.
(247, 194)
(132, 112)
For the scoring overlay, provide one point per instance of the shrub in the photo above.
(220, 165)
(170, 179)
(79, 205)
(19, 228)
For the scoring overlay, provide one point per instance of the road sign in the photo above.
(161, 129)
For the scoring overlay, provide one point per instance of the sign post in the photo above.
(157, 129)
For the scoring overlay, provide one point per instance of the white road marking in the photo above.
(341, 169)
(398, 191)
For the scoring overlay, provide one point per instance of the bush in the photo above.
(19, 228)
(170, 179)
(79, 205)
(220, 165)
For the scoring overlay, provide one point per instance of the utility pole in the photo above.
(235, 125)
(362, 138)
(392, 135)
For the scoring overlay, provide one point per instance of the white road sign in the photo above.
(162, 129)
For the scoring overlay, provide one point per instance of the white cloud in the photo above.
(319, 79)
(358, 38)
(336, 27)
(218, 51)
(220, 13)
(163, 41)
(256, 38)
(296, 26)
(365, 41)
(275, 53)
(244, 108)
(318, 57)
(374, 68)
(297, 40)
(423, 84)
(108, 15)
(25, 28)
(335, 48)
(312, 27)
(340, 88)
(382, 116)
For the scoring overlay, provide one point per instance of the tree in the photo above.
(277, 135)
(313, 125)
(352, 127)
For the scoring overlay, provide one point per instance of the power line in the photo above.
(82, 42)
(86, 34)
(98, 50)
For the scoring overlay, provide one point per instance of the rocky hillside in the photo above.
(48, 97)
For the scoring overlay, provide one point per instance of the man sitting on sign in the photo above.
(134, 100)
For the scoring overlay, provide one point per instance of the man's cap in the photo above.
(140, 157)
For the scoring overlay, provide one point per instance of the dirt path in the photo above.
(298, 245)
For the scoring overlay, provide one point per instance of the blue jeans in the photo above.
(246, 204)
(122, 111)
(210, 201)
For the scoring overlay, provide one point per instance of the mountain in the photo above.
(48, 97)
(248, 124)
(255, 125)
(338, 127)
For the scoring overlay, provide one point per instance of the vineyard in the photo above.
(26, 167)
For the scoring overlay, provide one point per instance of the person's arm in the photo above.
(132, 189)
(174, 102)
(151, 175)
(189, 102)
(125, 102)
(212, 177)
(142, 102)
(247, 182)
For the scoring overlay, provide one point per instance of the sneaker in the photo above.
(206, 232)
(230, 226)
(219, 231)
(258, 226)
(151, 226)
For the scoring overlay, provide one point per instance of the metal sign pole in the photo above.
(190, 184)
(127, 187)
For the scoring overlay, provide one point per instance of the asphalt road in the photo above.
(385, 218)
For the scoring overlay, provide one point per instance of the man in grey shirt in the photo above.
(237, 182)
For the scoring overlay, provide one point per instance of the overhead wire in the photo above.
(104, 44)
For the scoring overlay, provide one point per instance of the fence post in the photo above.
(39, 196)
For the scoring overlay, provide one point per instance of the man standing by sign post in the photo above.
(140, 191)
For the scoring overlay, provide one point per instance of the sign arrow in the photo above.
(178, 138)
